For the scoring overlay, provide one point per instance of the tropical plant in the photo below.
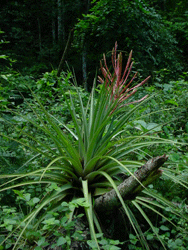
(91, 158)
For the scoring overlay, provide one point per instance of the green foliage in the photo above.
(104, 243)
(135, 26)
(16, 94)
(13, 86)
(175, 16)
(50, 88)
(175, 238)
(155, 30)
(49, 231)
(75, 161)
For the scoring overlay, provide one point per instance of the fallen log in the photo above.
(131, 186)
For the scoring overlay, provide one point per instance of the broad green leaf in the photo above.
(61, 241)
(164, 228)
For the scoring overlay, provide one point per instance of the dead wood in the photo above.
(131, 186)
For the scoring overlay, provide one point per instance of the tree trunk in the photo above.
(53, 24)
(131, 186)
(84, 51)
(40, 38)
(53, 32)
(84, 67)
(60, 18)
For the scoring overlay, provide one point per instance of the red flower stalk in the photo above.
(117, 83)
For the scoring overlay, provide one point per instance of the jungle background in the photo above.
(47, 42)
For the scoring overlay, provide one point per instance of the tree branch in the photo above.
(64, 53)
(131, 186)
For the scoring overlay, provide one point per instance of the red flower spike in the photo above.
(119, 69)
(116, 82)
(128, 63)
(126, 87)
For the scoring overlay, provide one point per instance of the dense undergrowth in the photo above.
(165, 116)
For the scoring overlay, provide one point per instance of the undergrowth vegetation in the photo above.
(61, 148)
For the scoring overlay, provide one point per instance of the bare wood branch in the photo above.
(64, 53)
(130, 187)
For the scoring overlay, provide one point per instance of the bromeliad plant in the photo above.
(86, 161)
